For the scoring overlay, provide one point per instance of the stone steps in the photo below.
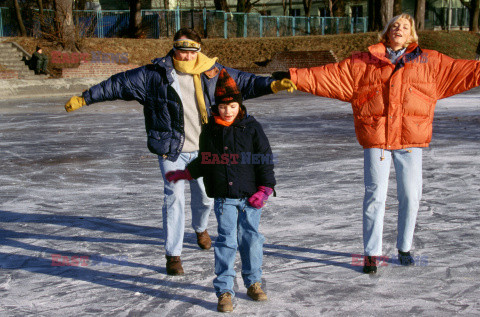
(13, 59)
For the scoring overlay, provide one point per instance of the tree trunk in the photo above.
(307, 4)
(135, 18)
(374, 16)
(40, 7)
(221, 5)
(168, 21)
(386, 11)
(397, 7)
(245, 6)
(475, 15)
(330, 7)
(80, 4)
(21, 26)
(472, 7)
(64, 24)
(420, 15)
(338, 8)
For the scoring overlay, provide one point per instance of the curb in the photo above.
(30, 88)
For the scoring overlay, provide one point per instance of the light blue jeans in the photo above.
(173, 211)
(408, 169)
(237, 227)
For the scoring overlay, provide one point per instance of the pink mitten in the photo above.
(259, 199)
(174, 176)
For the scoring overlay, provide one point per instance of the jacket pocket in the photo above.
(416, 103)
(159, 142)
(370, 131)
(369, 104)
(416, 130)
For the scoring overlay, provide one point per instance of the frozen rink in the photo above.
(82, 187)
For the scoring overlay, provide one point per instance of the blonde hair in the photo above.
(413, 33)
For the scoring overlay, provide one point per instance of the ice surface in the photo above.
(83, 184)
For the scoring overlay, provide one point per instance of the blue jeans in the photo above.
(237, 227)
(173, 211)
(408, 169)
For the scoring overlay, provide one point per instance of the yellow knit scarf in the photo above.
(195, 67)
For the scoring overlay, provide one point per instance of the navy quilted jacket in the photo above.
(234, 160)
(153, 86)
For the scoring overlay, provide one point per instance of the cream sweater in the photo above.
(191, 115)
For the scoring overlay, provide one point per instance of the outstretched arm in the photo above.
(251, 85)
(456, 75)
(331, 80)
(129, 85)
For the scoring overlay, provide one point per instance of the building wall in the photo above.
(267, 7)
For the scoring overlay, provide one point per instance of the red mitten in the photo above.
(174, 176)
(259, 199)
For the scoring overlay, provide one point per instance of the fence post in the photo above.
(245, 16)
(1, 23)
(205, 22)
(157, 25)
(351, 25)
(323, 25)
(364, 25)
(293, 26)
(261, 26)
(337, 25)
(308, 25)
(278, 26)
(100, 23)
(177, 19)
(225, 27)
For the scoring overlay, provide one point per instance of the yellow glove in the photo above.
(284, 84)
(75, 103)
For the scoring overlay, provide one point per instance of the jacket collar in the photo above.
(164, 62)
(379, 51)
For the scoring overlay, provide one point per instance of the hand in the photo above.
(284, 84)
(75, 103)
(174, 176)
(281, 75)
(259, 199)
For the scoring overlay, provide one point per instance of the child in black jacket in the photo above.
(236, 162)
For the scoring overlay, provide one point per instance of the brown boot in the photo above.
(255, 292)
(203, 240)
(225, 303)
(174, 265)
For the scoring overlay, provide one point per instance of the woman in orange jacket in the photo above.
(393, 89)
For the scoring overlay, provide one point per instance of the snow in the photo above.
(84, 187)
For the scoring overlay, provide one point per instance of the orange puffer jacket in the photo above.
(393, 104)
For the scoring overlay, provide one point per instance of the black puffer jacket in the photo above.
(234, 160)
(154, 85)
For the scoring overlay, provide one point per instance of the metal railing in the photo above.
(209, 23)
